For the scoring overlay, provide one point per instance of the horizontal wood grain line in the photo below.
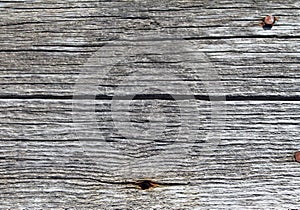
(159, 97)
(62, 7)
(69, 177)
(47, 50)
(251, 36)
(42, 23)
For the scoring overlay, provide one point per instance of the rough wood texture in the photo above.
(215, 122)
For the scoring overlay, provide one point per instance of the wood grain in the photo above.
(215, 132)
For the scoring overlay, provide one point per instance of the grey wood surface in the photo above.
(193, 95)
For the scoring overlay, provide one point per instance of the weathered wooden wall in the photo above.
(62, 149)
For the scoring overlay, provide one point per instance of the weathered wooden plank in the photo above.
(251, 161)
(269, 68)
(35, 115)
(245, 69)
(57, 151)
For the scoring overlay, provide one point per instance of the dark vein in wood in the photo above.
(158, 97)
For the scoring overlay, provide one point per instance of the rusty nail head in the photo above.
(268, 22)
(297, 156)
(269, 19)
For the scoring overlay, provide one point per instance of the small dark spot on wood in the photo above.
(146, 184)
(297, 156)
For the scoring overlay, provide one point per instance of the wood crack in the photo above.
(169, 97)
